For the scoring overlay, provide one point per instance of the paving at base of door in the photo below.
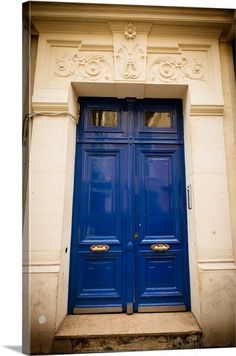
(122, 332)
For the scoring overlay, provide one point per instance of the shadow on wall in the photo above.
(16, 348)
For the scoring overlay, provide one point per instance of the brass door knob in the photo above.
(99, 248)
(160, 247)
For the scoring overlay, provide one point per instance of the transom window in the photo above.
(103, 118)
(157, 119)
(154, 119)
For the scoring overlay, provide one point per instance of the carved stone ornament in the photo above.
(130, 31)
(129, 55)
(169, 69)
(92, 67)
(130, 61)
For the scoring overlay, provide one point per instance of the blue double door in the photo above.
(129, 231)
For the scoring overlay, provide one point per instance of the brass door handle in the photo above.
(160, 247)
(99, 248)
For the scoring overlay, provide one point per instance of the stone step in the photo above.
(122, 332)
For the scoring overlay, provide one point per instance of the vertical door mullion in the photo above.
(130, 213)
(129, 238)
(136, 223)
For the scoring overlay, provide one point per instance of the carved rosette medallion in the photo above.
(130, 31)
(169, 69)
(92, 67)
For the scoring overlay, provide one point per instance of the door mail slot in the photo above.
(99, 248)
(160, 247)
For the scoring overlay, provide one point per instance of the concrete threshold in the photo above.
(122, 332)
(93, 325)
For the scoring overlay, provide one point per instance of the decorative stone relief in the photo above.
(130, 60)
(90, 67)
(129, 51)
(130, 31)
(171, 69)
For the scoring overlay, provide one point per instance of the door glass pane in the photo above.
(158, 119)
(104, 118)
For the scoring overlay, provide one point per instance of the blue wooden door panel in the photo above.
(129, 195)
(159, 275)
(157, 176)
(100, 210)
(101, 218)
(99, 278)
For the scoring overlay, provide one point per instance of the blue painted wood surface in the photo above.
(129, 179)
